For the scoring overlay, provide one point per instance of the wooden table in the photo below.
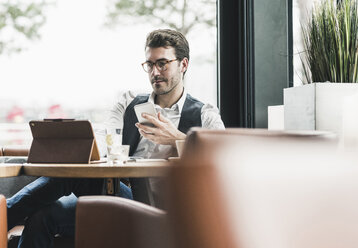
(141, 169)
(10, 170)
(104, 170)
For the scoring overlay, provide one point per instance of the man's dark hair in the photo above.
(166, 38)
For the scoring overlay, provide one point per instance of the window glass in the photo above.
(301, 13)
(73, 58)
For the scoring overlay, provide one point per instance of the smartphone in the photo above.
(147, 108)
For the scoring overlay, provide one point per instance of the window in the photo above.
(301, 14)
(88, 52)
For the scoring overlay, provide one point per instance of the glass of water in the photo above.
(116, 152)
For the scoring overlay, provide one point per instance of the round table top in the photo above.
(10, 170)
(104, 170)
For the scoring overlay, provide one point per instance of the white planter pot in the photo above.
(316, 106)
(275, 118)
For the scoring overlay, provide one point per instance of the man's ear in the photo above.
(185, 64)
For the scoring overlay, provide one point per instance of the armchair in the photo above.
(257, 188)
(107, 221)
(240, 188)
(13, 154)
(14, 151)
(3, 222)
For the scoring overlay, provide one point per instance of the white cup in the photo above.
(180, 146)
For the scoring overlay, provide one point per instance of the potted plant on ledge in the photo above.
(330, 67)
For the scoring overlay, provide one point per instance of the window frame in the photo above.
(236, 74)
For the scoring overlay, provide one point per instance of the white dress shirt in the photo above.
(210, 119)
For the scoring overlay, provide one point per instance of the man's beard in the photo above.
(161, 89)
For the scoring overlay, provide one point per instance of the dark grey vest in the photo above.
(190, 117)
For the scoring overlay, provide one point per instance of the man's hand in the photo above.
(164, 132)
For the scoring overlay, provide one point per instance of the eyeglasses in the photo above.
(160, 64)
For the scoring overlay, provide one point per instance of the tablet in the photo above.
(62, 141)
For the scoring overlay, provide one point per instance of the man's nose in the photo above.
(155, 71)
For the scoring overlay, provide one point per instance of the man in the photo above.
(167, 60)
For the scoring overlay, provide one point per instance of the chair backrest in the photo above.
(3, 222)
(204, 140)
(14, 151)
(105, 221)
(256, 188)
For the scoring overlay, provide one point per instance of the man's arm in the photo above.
(164, 132)
(116, 114)
(210, 117)
(114, 119)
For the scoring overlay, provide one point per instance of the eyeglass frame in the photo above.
(164, 68)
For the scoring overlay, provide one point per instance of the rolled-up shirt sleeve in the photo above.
(210, 117)
(116, 114)
(114, 118)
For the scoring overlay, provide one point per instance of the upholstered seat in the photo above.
(107, 221)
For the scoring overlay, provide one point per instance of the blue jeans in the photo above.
(49, 206)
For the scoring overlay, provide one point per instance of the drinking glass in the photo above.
(180, 146)
(116, 152)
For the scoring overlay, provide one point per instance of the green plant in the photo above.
(20, 21)
(181, 15)
(331, 42)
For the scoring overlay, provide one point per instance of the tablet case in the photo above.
(62, 141)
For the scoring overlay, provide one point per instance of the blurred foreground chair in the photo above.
(107, 221)
(3, 222)
(240, 188)
(258, 188)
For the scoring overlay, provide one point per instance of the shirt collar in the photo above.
(181, 101)
(179, 104)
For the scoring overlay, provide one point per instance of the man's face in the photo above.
(164, 81)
